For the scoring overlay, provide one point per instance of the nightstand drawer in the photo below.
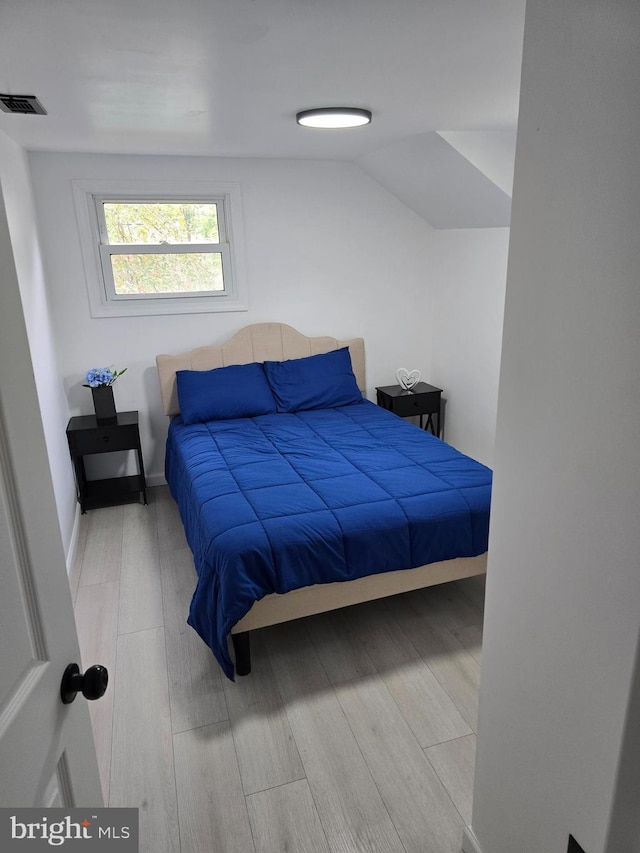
(103, 439)
(416, 404)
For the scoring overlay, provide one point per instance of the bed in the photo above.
(316, 501)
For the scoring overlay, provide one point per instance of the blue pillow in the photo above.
(316, 382)
(237, 391)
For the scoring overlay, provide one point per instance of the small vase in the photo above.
(104, 404)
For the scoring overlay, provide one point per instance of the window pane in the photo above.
(161, 223)
(189, 273)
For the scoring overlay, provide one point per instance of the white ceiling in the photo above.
(226, 77)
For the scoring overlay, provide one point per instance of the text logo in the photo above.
(76, 829)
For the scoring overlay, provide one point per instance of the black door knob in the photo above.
(92, 684)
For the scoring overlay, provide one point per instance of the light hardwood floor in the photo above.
(354, 732)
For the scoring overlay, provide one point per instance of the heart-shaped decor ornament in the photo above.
(407, 379)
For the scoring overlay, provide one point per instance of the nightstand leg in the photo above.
(141, 471)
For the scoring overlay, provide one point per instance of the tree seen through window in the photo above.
(184, 227)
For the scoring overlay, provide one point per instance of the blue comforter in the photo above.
(277, 502)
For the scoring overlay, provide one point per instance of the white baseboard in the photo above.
(73, 541)
(470, 843)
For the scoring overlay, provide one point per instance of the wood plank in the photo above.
(338, 646)
(445, 606)
(96, 613)
(452, 665)
(351, 811)
(267, 753)
(142, 771)
(140, 585)
(170, 530)
(471, 638)
(286, 818)
(195, 678)
(103, 552)
(425, 817)
(474, 589)
(213, 812)
(454, 762)
(424, 703)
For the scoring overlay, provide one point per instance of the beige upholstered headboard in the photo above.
(259, 342)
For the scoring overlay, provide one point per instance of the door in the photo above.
(47, 755)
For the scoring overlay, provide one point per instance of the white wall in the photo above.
(469, 272)
(15, 185)
(563, 615)
(327, 251)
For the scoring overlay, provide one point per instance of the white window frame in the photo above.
(89, 197)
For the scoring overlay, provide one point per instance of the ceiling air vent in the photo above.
(22, 104)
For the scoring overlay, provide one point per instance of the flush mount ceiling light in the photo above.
(334, 117)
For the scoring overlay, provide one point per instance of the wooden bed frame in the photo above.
(278, 342)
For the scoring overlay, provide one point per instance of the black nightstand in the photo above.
(423, 399)
(86, 436)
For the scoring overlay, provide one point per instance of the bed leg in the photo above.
(242, 648)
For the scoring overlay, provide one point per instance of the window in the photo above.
(160, 253)
(162, 249)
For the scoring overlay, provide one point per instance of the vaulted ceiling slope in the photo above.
(218, 78)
